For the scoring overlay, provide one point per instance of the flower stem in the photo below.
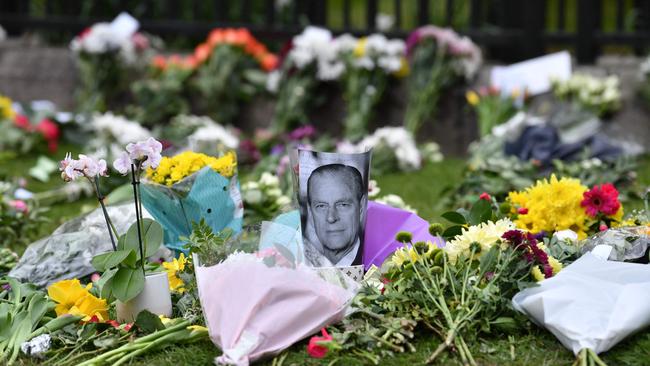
(109, 224)
(137, 215)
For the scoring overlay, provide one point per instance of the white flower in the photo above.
(273, 81)
(252, 196)
(85, 166)
(118, 128)
(384, 22)
(485, 235)
(373, 189)
(400, 140)
(396, 201)
(123, 163)
(328, 71)
(364, 63)
(345, 43)
(269, 180)
(566, 235)
(212, 133)
(147, 152)
(283, 201)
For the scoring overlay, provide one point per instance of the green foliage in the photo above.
(210, 247)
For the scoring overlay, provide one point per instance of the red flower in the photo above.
(22, 121)
(522, 211)
(50, 132)
(603, 227)
(484, 196)
(601, 199)
(315, 348)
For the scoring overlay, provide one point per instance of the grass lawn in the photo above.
(422, 190)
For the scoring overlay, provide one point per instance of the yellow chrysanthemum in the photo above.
(552, 205)
(6, 110)
(73, 298)
(172, 268)
(485, 235)
(537, 273)
(556, 265)
(172, 170)
(409, 254)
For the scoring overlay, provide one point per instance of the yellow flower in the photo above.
(172, 170)
(556, 265)
(72, 298)
(6, 110)
(90, 306)
(404, 69)
(537, 273)
(172, 268)
(66, 294)
(552, 205)
(360, 48)
(485, 234)
(472, 97)
(198, 328)
(165, 320)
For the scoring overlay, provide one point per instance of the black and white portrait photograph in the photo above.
(333, 197)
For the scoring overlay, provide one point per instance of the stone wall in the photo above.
(29, 72)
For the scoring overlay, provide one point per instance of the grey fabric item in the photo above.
(68, 251)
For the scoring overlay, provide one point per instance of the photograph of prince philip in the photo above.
(333, 201)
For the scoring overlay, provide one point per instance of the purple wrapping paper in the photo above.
(383, 223)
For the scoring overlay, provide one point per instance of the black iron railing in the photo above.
(508, 29)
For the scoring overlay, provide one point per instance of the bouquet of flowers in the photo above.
(393, 148)
(439, 59)
(602, 96)
(492, 107)
(311, 61)
(263, 198)
(369, 66)
(106, 52)
(161, 94)
(230, 67)
(189, 187)
(560, 204)
(21, 134)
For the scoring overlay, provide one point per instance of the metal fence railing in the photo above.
(507, 29)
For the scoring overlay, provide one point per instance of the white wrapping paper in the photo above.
(592, 303)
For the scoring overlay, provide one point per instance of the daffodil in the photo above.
(172, 268)
(90, 306)
(472, 97)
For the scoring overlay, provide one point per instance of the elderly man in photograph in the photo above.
(336, 204)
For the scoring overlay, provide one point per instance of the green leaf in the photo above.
(120, 194)
(37, 308)
(107, 260)
(480, 212)
(452, 231)
(152, 237)
(454, 217)
(131, 260)
(104, 283)
(148, 322)
(127, 283)
(121, 242)
(488, 260)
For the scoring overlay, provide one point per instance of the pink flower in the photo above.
(484, 196)
(522, 211)
(95, 277)
(50, 132)
(123, 163)
(19, 205)
(22, 122)
(85, 166)
(601, 199)
(315, 348)
(603, 227)
(147, 152)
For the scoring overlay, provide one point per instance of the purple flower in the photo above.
(300, 133)
(123, 163)
(277, 149)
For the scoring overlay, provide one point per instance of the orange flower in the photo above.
(202, 52)
(159, 62)
(215, 37)
(269, 62)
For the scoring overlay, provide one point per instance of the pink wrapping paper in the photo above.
(253, 311)
(383, 223)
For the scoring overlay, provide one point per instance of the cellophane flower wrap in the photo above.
(190, 187)
(439, 58)
(257, 305)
